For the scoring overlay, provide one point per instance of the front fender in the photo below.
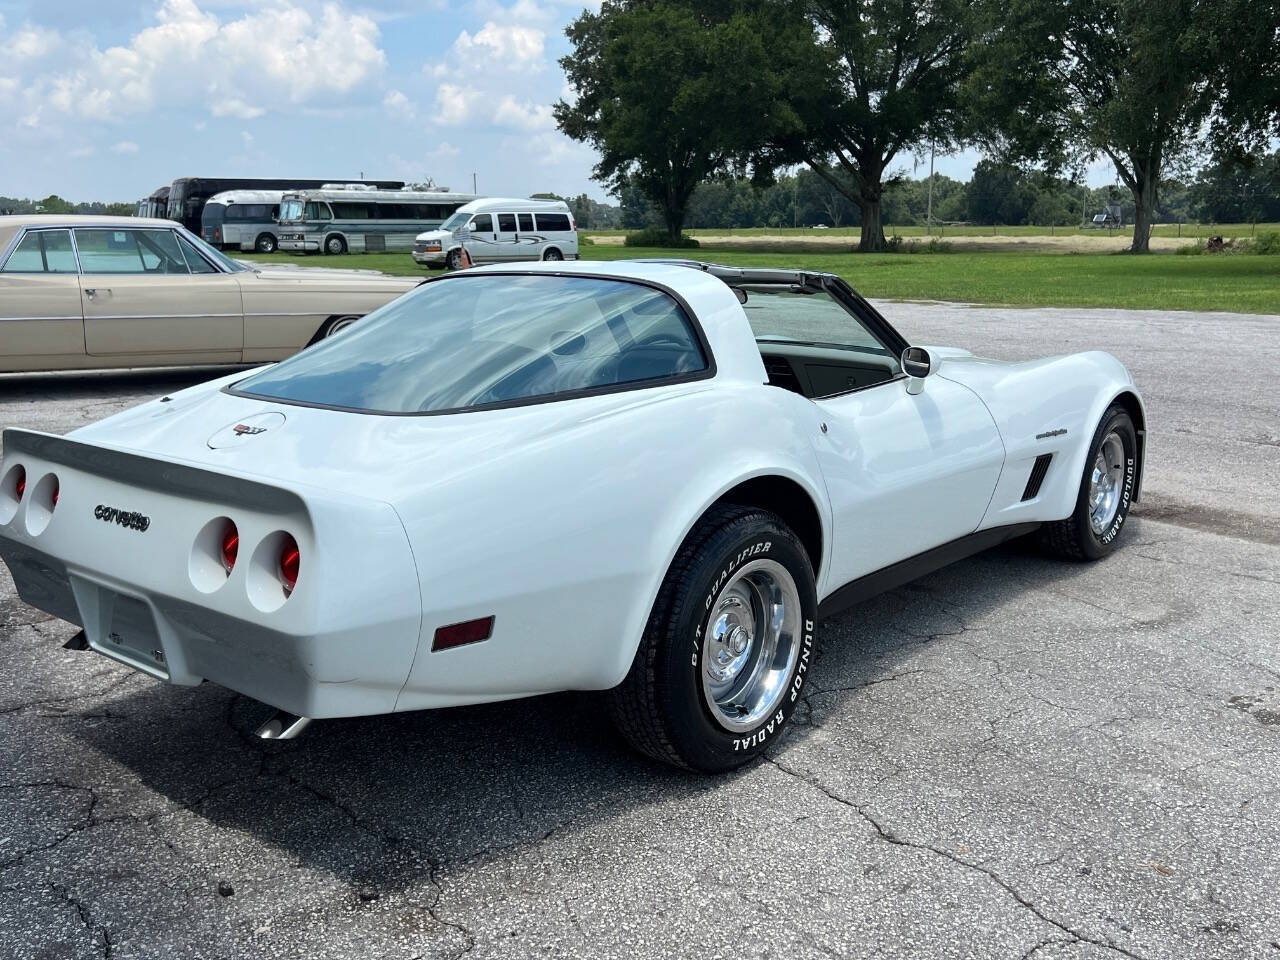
(1049, 406)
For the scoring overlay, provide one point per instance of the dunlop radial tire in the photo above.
(659, 707)
(1074, 537)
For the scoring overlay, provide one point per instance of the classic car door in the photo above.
(141, 297)
(905, 473)
(40, 312)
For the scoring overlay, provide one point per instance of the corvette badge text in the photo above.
(126, 518)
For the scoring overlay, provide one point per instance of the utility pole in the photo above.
(473, 183)
(929, 215)
(795, 210)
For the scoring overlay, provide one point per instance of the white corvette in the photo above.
(652, 478)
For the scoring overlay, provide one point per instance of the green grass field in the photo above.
(1187, 231)
(1243, 284)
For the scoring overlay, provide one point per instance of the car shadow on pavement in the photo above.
(386, 801)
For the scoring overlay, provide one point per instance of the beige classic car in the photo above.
(79, 292)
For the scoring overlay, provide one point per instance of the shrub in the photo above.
(1266, 244)
(654, 237)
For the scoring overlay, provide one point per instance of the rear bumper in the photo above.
(144, 600)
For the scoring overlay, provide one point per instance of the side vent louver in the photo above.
(1038, 470)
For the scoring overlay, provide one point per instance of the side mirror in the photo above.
(916, 364)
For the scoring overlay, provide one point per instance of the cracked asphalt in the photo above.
(1014, 757)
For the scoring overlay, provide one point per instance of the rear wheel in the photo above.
(727, 648)
(335, 245)
(553, 254)
(266, 243)
(335, 326)
(1106, 492)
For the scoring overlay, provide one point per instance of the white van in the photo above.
(497, 230)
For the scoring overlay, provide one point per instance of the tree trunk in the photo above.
(1144, 200)
(870, 193)
(871, 239)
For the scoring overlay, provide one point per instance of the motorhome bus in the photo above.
(361, 221)
(188, 195)
(155, 206)
(242, 220)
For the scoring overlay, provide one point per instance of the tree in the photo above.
(881, 77)
(656, 96)
(1128, 79)
(1238, 191)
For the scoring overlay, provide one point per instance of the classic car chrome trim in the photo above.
(8, 319)
(157, 316)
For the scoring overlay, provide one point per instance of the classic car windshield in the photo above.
(476, 340)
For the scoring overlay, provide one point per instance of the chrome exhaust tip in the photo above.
(282, 726)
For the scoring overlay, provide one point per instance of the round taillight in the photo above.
(289, 561)
(21, 485)
(230, 547)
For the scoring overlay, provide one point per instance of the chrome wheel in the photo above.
(1106, 483)
(751, 645)
(335, 245)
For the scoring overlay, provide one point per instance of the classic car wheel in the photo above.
(1106, 492)
(337, 325)
(335, 245)
(266, 243)
(553, 254)
(727, 648)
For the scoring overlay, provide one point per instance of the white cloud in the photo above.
(235, 107)
(79, 153)
(508, 47)
(443, 150)
(453, 104)
(285, 53)
(124, 147)
(29, 43)
(398, 105)
(523, 116)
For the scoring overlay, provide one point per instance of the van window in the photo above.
(507, 222)
(43, 251)
(526, 223)
(483, 223)
(554, 222)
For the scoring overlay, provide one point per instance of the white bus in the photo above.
(242, 220)
(362, 221)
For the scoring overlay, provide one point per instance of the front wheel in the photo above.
(1106, 492)
(728, 645)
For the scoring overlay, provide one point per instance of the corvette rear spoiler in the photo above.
(149, 473)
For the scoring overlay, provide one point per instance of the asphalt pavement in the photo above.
(1014, 757)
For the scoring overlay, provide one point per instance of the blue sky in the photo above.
(109, 99)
